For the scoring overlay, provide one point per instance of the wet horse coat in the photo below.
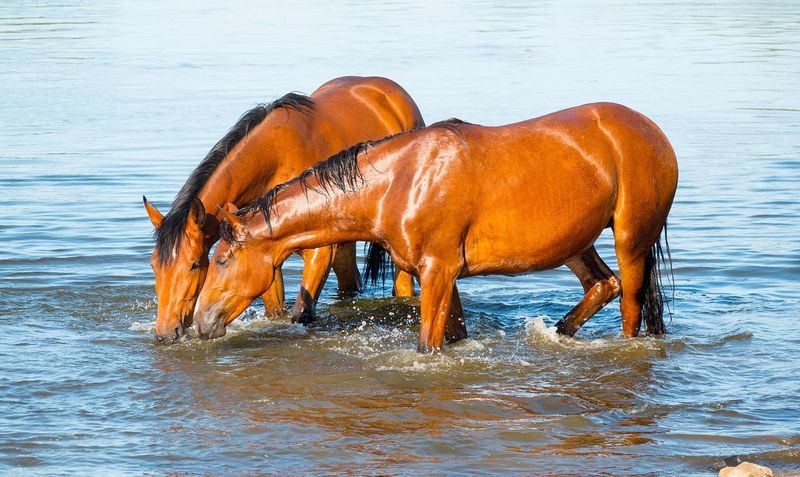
(457, 200)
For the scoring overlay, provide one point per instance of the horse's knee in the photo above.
(616, 286)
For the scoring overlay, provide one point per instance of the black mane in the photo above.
(339, 171)
(170, 233)
(453, 125)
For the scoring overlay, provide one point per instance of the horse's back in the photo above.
(607, 141)
(371, 99)
(542, 190)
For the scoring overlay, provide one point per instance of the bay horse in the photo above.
(457, 200)
(269, 145)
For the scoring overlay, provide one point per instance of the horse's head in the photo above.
(180, 262)
(241, 269)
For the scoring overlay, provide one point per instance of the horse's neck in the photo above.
(239, 179)
(248, 169)
(308, 219)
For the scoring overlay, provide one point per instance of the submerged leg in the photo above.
(631, 268)
(403, 284)
(315, 272)
(344, 265)
(438, 283)
(455, 329)
(274, 296)
(599, 284)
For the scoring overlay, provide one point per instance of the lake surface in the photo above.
(101, 102)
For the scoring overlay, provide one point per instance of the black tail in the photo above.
(654, 295)
(378, 265)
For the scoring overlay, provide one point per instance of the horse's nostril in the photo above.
(165, 339)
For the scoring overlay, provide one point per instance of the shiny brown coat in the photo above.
(457, 200)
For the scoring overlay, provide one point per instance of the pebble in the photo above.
(746, 469)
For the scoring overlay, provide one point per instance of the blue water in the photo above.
(101, 102)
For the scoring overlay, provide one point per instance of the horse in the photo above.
(267, 146)
(457, 200)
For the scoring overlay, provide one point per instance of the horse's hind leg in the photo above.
(599, 284)
(345, 268)
(636, 242)
(632, 270)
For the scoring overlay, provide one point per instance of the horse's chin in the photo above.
(218, 330)
(209, 328)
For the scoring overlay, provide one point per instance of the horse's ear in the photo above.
(155, 216)
(228, 215)
(197, 213)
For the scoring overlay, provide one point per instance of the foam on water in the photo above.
(146, 327)
(538, 333)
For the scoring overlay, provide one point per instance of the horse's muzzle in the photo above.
(172, 336)
(209, 326)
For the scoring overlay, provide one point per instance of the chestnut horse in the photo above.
(269, 145)
(456, 200)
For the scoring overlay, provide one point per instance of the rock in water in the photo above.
(746, 469)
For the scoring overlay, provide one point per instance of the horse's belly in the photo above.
(519, 243)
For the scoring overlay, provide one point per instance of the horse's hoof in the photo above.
(566, 328)
(305, 317)
(424, 349)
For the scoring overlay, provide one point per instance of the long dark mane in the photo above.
(170, 233)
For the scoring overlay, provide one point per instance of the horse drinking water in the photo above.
(271, 144)
(456, 200)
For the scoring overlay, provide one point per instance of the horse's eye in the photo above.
(221, 261)
(195, 266)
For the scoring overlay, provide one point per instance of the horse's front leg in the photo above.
(315, 271)
(403, 284)
(344, 265)
(437, 281)
(455, 329)
(274, 296)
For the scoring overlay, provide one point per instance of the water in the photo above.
(104, 101)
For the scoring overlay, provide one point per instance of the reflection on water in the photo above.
(110, 100)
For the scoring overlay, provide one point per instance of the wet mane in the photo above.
(338, 172)
(170, 233)
(452, 125)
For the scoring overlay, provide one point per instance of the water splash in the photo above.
(144, 327)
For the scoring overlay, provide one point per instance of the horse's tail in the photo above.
(654, 295)
(378, 265)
